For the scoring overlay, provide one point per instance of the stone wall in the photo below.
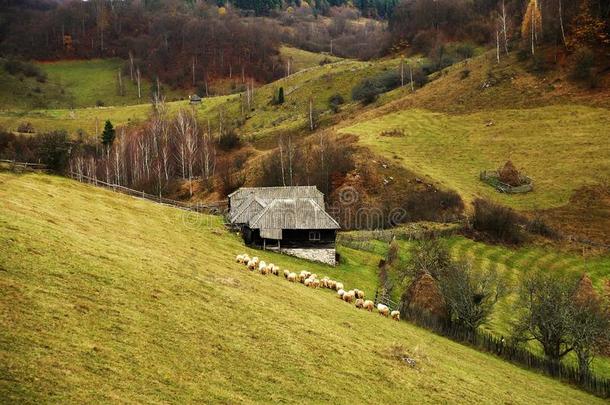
(316, 255)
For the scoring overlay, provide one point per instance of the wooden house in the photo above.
(290, 220)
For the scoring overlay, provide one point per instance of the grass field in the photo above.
(560, 147)
(109, 298)
(75, 84)
(88, 119)
(300, 59)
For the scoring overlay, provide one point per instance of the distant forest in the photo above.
(185, 43)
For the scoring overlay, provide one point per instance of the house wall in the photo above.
(313, 254)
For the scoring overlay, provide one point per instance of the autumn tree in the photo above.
(587, 29)
(531, 27)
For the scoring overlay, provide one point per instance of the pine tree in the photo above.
(109, 134)
(280, 96)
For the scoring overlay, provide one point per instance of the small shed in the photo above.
(291, 220)
(194, 99)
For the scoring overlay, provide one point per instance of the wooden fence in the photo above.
(217, 207)
(24, 166)
(510, 351)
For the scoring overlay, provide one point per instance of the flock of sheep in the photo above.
(311, 280)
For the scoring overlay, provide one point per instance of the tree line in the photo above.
(181, 43)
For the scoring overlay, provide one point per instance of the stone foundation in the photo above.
(315, 255)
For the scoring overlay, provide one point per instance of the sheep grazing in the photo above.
(360, 294)
(338, 286)
(383, 310)
(301, 277)
(395, 315)
(341, 293)
(262, 267)
(239, 258)
(368, 305)
(292, 277)
(307, 282)
(315, 283)
(349, 296)
(286, 273)
(275, 271)
(252, 265)
(324, 282)
(359, 303)
(331, 284)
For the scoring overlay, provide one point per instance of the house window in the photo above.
(314, 235)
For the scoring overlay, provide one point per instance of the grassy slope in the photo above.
(301, 59)
(561, 147)
(74, 84)
(110, 298)
(319, 82)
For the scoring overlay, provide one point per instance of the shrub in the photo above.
(464, 74)
(539, 227)
(325, 61)
(500, 223)
(437, 205)
(335, 101)
(15, 67)
(229, 140)
(464, 50)
(99, 103)
(366, 91)
(584, 61)
(26, 127)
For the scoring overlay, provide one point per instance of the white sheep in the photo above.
(340, 293)
(275, 270)
(338, 286)
(383, 310)
(239, 258)
(286, 273)
(315, 283)
(368, 305)
(332, 284)
(395, 315)
(349, 296)
(292, 277)
(359, 303)
(360, 294)
(252, 264)
(262, 267)
(307, 282)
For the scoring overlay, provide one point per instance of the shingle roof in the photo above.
(267, 194)
(293, 213)
(267, 208)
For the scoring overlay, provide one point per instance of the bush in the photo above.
(229, 140)
(464, 50)
(15, 67)
(335, 101)
(539, 227)
(437, 205)
(464, 74)
(99, 103)
(500, 223)
(366, 91)
(583, 69)
(26, 127)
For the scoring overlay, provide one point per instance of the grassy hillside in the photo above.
(107, 297)
(74, 84)
(560, 147)
(85, 118)
(317, 82)
(301, 59)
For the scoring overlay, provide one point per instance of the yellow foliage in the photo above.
(222, 11)
(532, 20)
